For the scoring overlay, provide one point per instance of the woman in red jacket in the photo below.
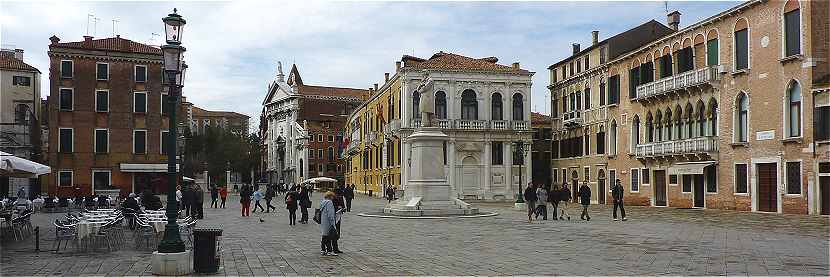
(223, 193)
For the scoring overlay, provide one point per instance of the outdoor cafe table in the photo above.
(88, 227)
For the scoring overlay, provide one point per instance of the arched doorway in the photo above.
(601, 191)
(470, 177)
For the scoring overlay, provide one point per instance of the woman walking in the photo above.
(223, 194)
(257, 197)
(328, 229)
(542, 202)
(340, 207)
(305, 203)
(245, 200)
(291, 206)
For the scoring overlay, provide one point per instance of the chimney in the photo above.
(516, 65)
(87, 41)
(673, 19)
(576, 48)
(386, 77)
(18, 54)
(376, 86)
(54, 39)
(371, 91)
(397, 66)
(594, 37)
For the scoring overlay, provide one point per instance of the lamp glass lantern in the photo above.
(173, 27)
(173, 63)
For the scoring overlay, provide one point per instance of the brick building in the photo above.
(730, 112)
(106, 119)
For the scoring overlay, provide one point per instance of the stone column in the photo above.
(405, 165)
(452, 172)
(486, 159)
(508, 165)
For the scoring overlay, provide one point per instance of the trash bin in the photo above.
(206, 246)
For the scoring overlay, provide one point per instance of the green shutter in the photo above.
(712, 52)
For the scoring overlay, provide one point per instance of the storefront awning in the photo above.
(691, 168)
(161, 168)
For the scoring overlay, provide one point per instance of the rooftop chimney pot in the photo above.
(673, 19)
(516, 65)
(54, 39)
(386, 77)
(87, 41)
(594, 37)
(576, 48)
(18, 54)
(397, 66)
(376, 86)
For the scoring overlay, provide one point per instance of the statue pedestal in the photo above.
(427, 191)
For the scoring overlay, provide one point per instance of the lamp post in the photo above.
(174, 69)
(520, 149)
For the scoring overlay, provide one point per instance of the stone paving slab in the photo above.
(655, 241)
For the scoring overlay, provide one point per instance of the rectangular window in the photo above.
(22, 81)
(612, 176)
(65, 140)
(633, 82)
(571, 68)
(140, 73)
(67, 99)
(67, 69)
(710, 173)
(320, 168)
(645, 176)
(331, 153)
(587, 97)
(602, 94)
(635, 180)
(601, 143)
(712, 52)
(586, 62)
(320, 153)
(140, 102)
(140, 141)
(331, 138)
(685, 60)
(311, 138)
(793, 177)
(102, 141)
(320, 139)
(65, 178)
(553, 75)
(165, 108)
(741, 49)
(673, 179)
(687, 183)
(741, 177)
(102, 101)
(101, 180)
(587, 144)
(578, 66)
(165, 145)
(564, 72)
(614, 89)
(586, 171)
(792, 31)
(665, 66)
(102, 71)
(822, 123)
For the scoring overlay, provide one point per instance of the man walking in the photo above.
(564, 198)
(553, 198)
(617, 194)
(188, 198)
(585, 200)
(198, 202)
(214, 196)
(530, 201)
(269, 194)
(349, 196)
(305, 203)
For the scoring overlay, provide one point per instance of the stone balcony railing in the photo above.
(678, 82)
(393, 127)
(521, 125)
(700, 145)
(574, 119)
(500, 125)
(465, 124)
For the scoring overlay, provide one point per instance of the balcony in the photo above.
(392, 128)
(465, 124)
(697, 77)
(354, 146)
(500, 125)
(572, 119)
(521, 125)
(693, 146)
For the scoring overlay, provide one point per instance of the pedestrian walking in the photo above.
(198, 202)
(339, 202)
(390, 194)
(585, 200)
(223, 194)
(179, 197)
(553, 198)
(305, 203)
(542, 202)
(564, 199)
(257, 197)
(530, 201)
(617, 194)
(349, 197)
(291, 206)
(188, 197)
(245, 200)
(269, 195)
(214, 196)
(328, 228)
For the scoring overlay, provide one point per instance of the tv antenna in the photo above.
(95, 26)
(666, 3)
(88, 17)
(153, 38)
(115, 26)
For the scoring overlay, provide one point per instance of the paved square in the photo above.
(654, 241)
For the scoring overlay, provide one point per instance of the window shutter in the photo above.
(792, 29)
(712, 52)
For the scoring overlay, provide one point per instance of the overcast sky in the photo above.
(233, 46)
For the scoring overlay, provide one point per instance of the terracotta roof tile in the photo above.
(539, 118)
(361, 94)
(111, 44)
(202, 112)
(8, 61)
(450, 61)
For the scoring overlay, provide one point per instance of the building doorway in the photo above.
(698, 192)
(575, 186)
(824, 186)
(601, 186)
(660, 188)
(767, 187)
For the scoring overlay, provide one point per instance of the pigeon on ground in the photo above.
(261, 220)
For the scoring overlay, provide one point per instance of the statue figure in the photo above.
(427, 108)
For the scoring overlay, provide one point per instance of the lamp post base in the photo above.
(172, 264)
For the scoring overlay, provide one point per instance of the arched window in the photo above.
(713, 115)
(793, 110)
(613, 139)
(496, 107)
(668, 125)
(792, 28)
(701, 119)
(587, 98)
(469, 105)
(741, 118)
(649, 128)
(440, 105)
(518, 107)
(741, 43)
(635, 132)
(416, 101)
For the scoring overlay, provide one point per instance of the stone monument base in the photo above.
(415, 206)
(172, 264)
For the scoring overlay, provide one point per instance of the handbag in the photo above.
(316, 217)
(333, 233)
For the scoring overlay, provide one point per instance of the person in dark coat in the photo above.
(564, 198)
(349, 197)
(131, 208)
(188, 197)
(585, 200)
(305, 203)
(245, 200)
(390, 194)
(198, 202)
(617, 194)
(530, 200)
(151, 201)
(214, 196)
(339, 202)
(269, 195)
(553, 198)
(291, 205)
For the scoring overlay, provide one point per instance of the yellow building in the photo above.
(373, 149)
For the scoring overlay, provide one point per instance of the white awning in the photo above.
(161, 168)
(691, 168)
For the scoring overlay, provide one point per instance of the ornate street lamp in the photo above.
(520, 149)
(174, 68)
